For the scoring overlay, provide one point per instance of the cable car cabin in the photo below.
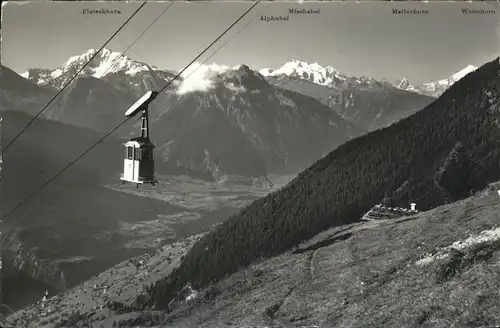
(138, 166)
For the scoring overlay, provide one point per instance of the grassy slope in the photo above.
(364, 268)
(369, 269)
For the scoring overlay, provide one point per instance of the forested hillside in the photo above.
(408, 161)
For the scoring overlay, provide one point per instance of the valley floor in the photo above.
(93, 241)
(120, 284)
(439, 268)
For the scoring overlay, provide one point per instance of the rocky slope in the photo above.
(370, 108)
(20, 94)
(92, 103)
(377, 109)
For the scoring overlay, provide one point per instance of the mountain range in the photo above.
(331, 77)
(280, 259)
(234, 110)
(116, 68)
(21, 94)
(287, 129)
(106, 63)
(370, 108)
(326, 76)
(367, 102)
(301, 97)
(435, 88)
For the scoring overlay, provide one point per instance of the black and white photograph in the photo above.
(250, 164)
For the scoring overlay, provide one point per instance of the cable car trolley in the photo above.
(138, 166)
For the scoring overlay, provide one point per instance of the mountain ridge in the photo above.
(333, 78)
(241, 94)
(106, 62)
(288, 129)
(435, 88)
(369, 109)
(322, 75)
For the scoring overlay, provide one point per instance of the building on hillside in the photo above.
(381, 212)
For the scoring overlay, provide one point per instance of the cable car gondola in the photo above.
(138, 166)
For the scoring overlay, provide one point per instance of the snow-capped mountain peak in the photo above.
(300, 66)
(460, 74)
(331, 77)
(402, 83)
(436, 88)
(323, 75)
(313, 72)
(266, 71)
(104, 63)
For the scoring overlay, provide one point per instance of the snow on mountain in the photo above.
(402, 83)
(220, 119)
(369, 103)
(331, 77)
(266, 71)
(312, 72)
(105, 63)
(18, 93)
(322, 75)
(457, 76)
(436, 88)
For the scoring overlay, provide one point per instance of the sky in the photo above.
(360, 39)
